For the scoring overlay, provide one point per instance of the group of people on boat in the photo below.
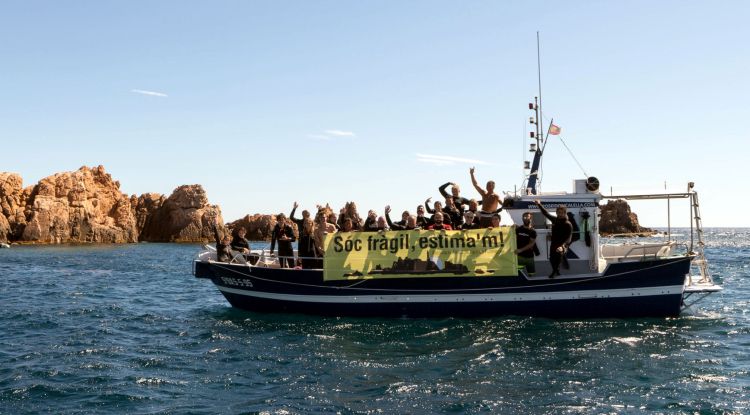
(457, 213)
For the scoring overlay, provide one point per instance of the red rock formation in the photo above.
(81, 206)
(259, 227)
(145, 207)
(87, 206)
(12, 203)
(616, 218)
(185, 216)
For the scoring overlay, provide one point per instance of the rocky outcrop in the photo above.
(185, 216)
(617, 218)
(81, 206)
(259, 227)
(144, 208)
(87, 206)
(12, 204)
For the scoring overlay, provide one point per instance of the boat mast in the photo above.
(531, 185)
(539, 76)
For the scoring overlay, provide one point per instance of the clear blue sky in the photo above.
(265, 103)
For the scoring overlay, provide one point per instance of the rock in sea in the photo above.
(87, 206)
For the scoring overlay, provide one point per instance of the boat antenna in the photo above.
(536, 106)
(539, 75)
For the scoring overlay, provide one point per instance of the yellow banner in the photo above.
(409, 254)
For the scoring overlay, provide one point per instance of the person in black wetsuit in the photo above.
(525, 243)
(470, 220)
(562, 231)
(283, 233)
(404, 216)
(406, 224)
(306, 247)
(223, 247)
(239, 243)
(458, 200)
(299, 222)
(422, 221)
(371, 223)
(438, 208)
(454, 213)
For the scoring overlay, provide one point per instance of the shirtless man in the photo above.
(490, 200)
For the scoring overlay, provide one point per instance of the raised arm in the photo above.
(388, 219)
(442, 189)
(291, 215)
(427, 206)
(544, 211)
(387, 211)
(294, 209)
(474, 182)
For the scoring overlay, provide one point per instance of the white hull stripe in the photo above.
(458, 298)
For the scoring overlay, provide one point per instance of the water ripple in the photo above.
(127, 329)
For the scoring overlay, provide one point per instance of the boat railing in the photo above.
(260, 258)
(269, 260)
(640, 252)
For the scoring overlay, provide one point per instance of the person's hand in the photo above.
(387, 209)
(517, 251)
(296, 205)
(429, 199)
(471, 170)
(560, 249)
(537, 202)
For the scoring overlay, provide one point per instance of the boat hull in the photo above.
(629, 289)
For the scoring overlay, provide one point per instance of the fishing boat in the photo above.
(602, 278)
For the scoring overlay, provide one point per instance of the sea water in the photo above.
(128, 329)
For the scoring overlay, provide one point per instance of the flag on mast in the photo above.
(554, 130)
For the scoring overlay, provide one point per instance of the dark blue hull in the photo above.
(632, 289)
